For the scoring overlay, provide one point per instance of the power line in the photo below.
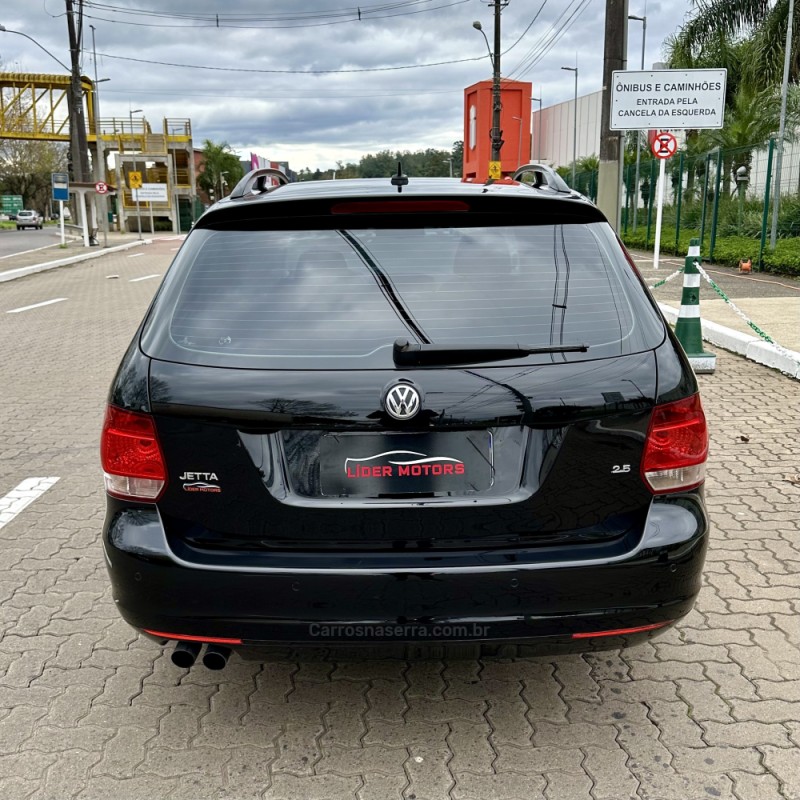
(289, 71)
(260, 95)
(271, 23)
(362, 8)
(550, 39)
(536, 16)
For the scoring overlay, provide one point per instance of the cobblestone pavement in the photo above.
(89, 710)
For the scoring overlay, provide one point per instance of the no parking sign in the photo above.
(665, 145)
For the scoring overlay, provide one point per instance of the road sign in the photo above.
(60, 184)
(134, 180)
(495, 173)
(10, 203)
(665, 145)
(670, 98)
(151, 193)
(101, 187)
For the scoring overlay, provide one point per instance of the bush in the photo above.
(728, 250)
(785, 259)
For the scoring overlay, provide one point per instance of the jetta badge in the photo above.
(402, 401)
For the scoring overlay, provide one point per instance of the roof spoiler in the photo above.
(256, 182)
(544, 176)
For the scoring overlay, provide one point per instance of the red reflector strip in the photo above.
(621, 631)
(399, 207)
(186, 638)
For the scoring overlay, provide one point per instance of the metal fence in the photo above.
(724, 196)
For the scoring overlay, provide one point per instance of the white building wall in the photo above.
(556, 144)
(557, 130)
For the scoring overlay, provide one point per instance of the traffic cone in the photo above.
(688, 328)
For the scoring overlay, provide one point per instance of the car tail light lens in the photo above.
(677, 446)
(132, 460)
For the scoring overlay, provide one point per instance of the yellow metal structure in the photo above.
(34, 106)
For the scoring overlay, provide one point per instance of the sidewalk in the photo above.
(772, 302)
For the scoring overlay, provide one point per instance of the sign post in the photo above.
(134, 184)
(59, 182)
(150, 193)
(665, 145)
(676, 99)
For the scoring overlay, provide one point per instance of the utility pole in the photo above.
(611, 150)
(77, 124)
(497, 105)
(643, 20)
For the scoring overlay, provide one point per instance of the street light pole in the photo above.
(539, 135)
(776, 203)
(100, 167)
(3, 29)
(574, 124)
(643, 20)
(138, 212)
(449, 161)
(519, 143)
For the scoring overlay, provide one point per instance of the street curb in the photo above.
(750, 347)
(21, 272)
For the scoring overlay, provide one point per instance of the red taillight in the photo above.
(677, 446)
(132, 460)
(621, 631)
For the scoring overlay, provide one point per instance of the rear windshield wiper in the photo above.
(411, 354)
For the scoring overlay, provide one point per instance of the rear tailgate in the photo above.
(547, 456)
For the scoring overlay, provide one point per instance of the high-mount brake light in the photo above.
(133, 463)
(399, 207)
(676, 450)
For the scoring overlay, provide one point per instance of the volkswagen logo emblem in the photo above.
(402, 401)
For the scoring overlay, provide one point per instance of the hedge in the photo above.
(728, 250)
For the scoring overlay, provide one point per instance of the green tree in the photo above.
(751, 120)
(458, 158)
(25, 169)
(219, 164)
(762, 23)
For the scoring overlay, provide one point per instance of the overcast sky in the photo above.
(314, 120)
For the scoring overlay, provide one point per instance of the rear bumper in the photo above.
(483, 598)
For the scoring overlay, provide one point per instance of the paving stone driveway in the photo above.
(88, 710)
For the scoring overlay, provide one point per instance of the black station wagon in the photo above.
(407, 411)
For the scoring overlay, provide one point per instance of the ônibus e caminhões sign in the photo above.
(669, 99)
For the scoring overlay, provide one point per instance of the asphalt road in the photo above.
(13, 241)
(89, 710)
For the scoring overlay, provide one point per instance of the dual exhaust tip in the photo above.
(185, 654)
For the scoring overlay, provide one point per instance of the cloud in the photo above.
(315, 120)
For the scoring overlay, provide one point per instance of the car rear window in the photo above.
(340, 298)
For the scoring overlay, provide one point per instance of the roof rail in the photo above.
(256, 181)
(543, 176)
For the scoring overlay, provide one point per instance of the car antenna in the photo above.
(400, 180)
